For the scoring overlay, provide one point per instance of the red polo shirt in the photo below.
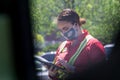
(92, 54)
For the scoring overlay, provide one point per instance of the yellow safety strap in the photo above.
(81, 47)
(62, 75)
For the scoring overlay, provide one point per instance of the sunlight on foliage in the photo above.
(102, 16)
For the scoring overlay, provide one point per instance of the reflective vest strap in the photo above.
(62, 46)
(79, 50)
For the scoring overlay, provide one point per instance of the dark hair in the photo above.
(70, 15)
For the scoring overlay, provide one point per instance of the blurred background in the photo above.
(102, 18)
(7, 71)
(16, 55)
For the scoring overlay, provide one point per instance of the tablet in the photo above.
(48, 64)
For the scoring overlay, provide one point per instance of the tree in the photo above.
(102, 16)
(38, 42)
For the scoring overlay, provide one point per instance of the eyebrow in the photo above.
(65, 28)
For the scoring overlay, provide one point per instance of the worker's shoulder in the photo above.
(94, 41)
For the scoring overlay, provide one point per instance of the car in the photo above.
(49, 56)
(108, 49)
(42, 72)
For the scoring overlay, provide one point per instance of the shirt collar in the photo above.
(81, 37)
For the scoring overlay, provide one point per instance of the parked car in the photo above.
(49, 56)
(108, 49)
(42, 72)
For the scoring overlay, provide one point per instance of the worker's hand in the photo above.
(52, 71)
(64, 63)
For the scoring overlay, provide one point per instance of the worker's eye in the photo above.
(65, 28)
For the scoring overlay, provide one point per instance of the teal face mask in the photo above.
(71, 34)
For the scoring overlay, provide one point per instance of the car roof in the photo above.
(49, 56)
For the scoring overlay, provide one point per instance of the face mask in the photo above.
(71, 34)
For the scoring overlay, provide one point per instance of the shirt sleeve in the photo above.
(55, 59)
(97, 53)
(91, 55)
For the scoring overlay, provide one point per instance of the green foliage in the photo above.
(104, 34)
(39, 38)
(39, 53)
(51, 47)
(38, 41)
(43, 12)
(102, 16)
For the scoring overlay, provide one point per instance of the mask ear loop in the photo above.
(78, 26)
(74, 25)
